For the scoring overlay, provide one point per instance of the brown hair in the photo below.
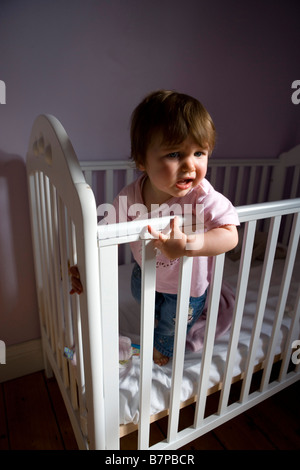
(174, 116)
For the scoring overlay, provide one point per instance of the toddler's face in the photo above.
(174, 170)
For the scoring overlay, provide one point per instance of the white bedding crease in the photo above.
(161, 376)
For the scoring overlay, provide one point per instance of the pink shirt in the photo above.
(218, 211)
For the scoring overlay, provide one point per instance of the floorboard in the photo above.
(33, 417)
(31, 421)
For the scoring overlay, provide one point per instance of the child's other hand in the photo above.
(75, 281)
(172, 246)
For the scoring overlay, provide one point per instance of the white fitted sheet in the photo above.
(161, 376)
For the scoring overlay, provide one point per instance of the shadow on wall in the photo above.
(18, 305)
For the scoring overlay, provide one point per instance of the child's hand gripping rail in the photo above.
(135, 230)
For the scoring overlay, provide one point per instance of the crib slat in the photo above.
(72, 257)
(40, 257)
(184, 286)
(109, 186)
(250, 191)
(109, 302)
(66, 332)
(295, 182)
(44, 258)
(48, 262)
(41, 248)
(238, 190)
(238, 312)
(58, 275)
(213, 175)
(227, 181)
(210, 330)
(33, 184)
(69, 340)
(146, 351)
(292, 336)
(292, 194)
(51, 229)
(261, 304)
(129, 176)
(48, 253)
(286, 279)
(262, 185)
(56, 267)
(76, 372)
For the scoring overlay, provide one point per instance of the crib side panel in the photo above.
(64, 226)
(250, 216)
(288, 372)
(244, 182)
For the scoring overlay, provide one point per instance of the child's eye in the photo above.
(173, 155)
(198, 154)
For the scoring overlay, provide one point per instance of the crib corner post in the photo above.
(109, 311)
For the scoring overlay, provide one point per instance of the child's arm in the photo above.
(214, 242)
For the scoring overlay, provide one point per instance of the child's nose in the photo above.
(188, 163)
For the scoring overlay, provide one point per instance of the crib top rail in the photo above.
(127, 232)
(95, 165)
(290, 158)
(268, 209)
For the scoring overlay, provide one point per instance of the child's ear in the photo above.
(141, 167)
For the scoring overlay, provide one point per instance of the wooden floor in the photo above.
(33, 416)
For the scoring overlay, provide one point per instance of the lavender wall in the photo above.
(90, 62)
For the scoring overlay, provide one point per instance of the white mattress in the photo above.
(161, 376)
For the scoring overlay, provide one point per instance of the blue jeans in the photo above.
(165, 313)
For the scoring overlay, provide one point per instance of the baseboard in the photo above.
(22, 359)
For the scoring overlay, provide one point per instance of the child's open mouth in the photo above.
(184, 183)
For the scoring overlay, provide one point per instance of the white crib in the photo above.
(80, 333)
